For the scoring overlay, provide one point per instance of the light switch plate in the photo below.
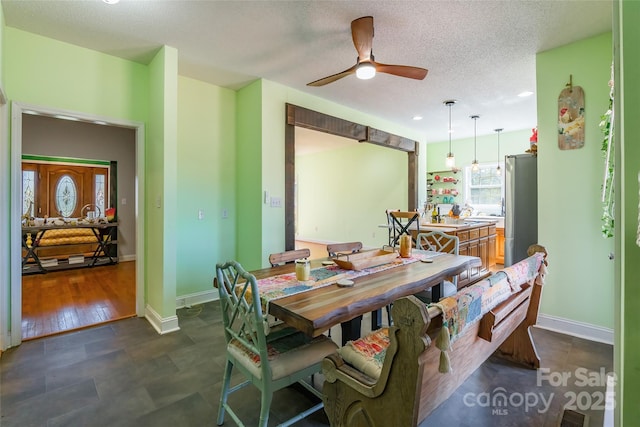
(276, 202)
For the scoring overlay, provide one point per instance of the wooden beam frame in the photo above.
(309, 119)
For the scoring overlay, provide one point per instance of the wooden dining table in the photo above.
(317, 310)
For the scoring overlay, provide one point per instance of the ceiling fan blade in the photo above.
(402, 70)
(329, 79)
(362, 33)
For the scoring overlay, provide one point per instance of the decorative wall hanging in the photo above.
(607, 127)
(571, 117)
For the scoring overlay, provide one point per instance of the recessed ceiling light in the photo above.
(111, 1)
(525, 93)
(417, 118)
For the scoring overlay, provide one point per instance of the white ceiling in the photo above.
(479, 52)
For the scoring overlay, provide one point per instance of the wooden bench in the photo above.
(69, 245)
(411, 384)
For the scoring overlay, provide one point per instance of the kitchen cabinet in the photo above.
(478, 239)
(500, 245)
(492, 248)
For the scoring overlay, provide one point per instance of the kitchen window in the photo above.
(484, 189)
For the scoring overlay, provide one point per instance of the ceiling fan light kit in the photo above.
(365, 71)
(366, 67)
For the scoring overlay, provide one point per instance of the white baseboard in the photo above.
(161, 325)
(576, 329)
(125, 258)
(197, 298)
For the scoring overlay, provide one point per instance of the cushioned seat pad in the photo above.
(289, 353)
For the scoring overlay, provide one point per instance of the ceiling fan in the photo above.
(366, 67)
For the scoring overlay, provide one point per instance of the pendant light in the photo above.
(474, 165)
(451, 160)
(498, 171)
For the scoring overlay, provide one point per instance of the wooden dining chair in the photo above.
(288, 256)
(334, 249)
(270, 362)
(401, 223)
(439, 241)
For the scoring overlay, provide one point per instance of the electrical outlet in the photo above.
(225, 214)
(200, 214)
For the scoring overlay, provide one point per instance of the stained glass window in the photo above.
(28, 192)
(66, 196)
(99, 185)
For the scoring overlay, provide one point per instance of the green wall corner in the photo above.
(569, 183)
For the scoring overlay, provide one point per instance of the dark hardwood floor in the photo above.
(124, 374)
(65, 300)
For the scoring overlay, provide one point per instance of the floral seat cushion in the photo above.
(367, 353)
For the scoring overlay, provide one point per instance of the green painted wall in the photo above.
(206, 181)
(161, 174)
(249, 152)
(569, 184)
(627, 252)
(330, 184)
(511, 142)
(46, 72)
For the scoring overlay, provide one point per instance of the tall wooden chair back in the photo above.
(288, 256)
(401, 223)
(439, 241)
(339, 248)
(270, 362)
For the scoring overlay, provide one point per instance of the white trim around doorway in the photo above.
(12, 336)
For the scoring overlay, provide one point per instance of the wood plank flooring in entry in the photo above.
(65, 300)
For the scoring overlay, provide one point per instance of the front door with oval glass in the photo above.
(64, 190)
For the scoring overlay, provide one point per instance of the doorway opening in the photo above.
(20, 113)
(300, 117)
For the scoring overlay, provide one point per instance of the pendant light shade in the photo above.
(451, 160)
(474, 165)
(498, 170)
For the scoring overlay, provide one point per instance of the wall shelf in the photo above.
(444, 189)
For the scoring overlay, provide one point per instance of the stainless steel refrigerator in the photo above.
(521, 206)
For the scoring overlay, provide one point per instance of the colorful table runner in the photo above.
(286, 284)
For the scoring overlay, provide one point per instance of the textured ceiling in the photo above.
(480, 52)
